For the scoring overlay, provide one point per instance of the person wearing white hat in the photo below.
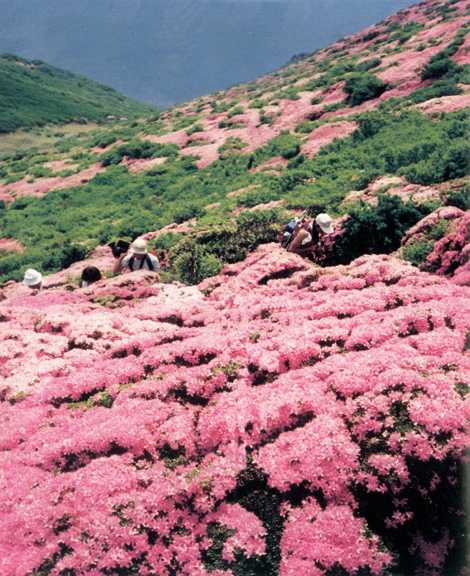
(33, 279)
(138, 258)
(325, 223)
(309, 233)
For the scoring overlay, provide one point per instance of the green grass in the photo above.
(34, 93)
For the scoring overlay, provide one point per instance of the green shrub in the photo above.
(368, 64)
(235, 112)
(138, 149)
(195, 263)
(363, 86)
(232, 144)
(376, 229)
(64, 257)
(459, 198)
(187, 213)
(203, 253)
(103, 139)
(440, 165)
(444, 87)
(438, 66)
(194, 128)
(417, 252)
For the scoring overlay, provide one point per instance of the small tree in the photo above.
(363, 86)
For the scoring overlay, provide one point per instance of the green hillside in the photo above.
(34, 93)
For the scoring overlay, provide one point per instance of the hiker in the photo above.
(138, 258)
(33, 279)
(90, 275)
(289, 230)
(308, 233)
(119, 247)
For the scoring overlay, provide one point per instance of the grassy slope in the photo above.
(35, 93)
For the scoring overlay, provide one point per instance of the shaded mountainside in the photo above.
(34, 93)
(279, 418)
(167, 52)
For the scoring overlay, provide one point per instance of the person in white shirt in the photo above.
(138, 258)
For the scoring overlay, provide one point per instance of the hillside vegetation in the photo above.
(34, 93)
(266, 415)
(318, 134)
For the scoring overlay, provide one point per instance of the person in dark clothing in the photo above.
(90, 275)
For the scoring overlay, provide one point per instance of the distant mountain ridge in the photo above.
(167, 52)
(34, 93)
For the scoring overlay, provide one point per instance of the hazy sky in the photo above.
(165, 51)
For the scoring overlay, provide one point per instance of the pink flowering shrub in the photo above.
(279, 419)
(451, 254)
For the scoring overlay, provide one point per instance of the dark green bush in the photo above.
(363, 86)
(376, 229)
(187, 213)
(443, 87)
(203, 253)
(440, 165)
(438, 66)
(138, 149)
(196, 263)
(459, 198)
(64, 257)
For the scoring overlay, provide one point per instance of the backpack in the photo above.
(142, 263)
(288, 231)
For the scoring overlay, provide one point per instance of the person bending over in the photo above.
(308, 233)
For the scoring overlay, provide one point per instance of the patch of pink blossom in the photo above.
(445, 104)
(10, 245)
(326, 134)
(451, 254)
(136, 165)
(140, 403)
(333, 536)
(41, 186)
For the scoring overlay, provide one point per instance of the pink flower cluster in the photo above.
(132, 410)
(451, 254)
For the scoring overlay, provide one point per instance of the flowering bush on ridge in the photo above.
(280, 419)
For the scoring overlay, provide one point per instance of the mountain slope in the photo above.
(165, 52)
(34, 93)
(385, 109)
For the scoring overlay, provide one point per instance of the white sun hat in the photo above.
(32, 277)
(325, 222)
(139, 246)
